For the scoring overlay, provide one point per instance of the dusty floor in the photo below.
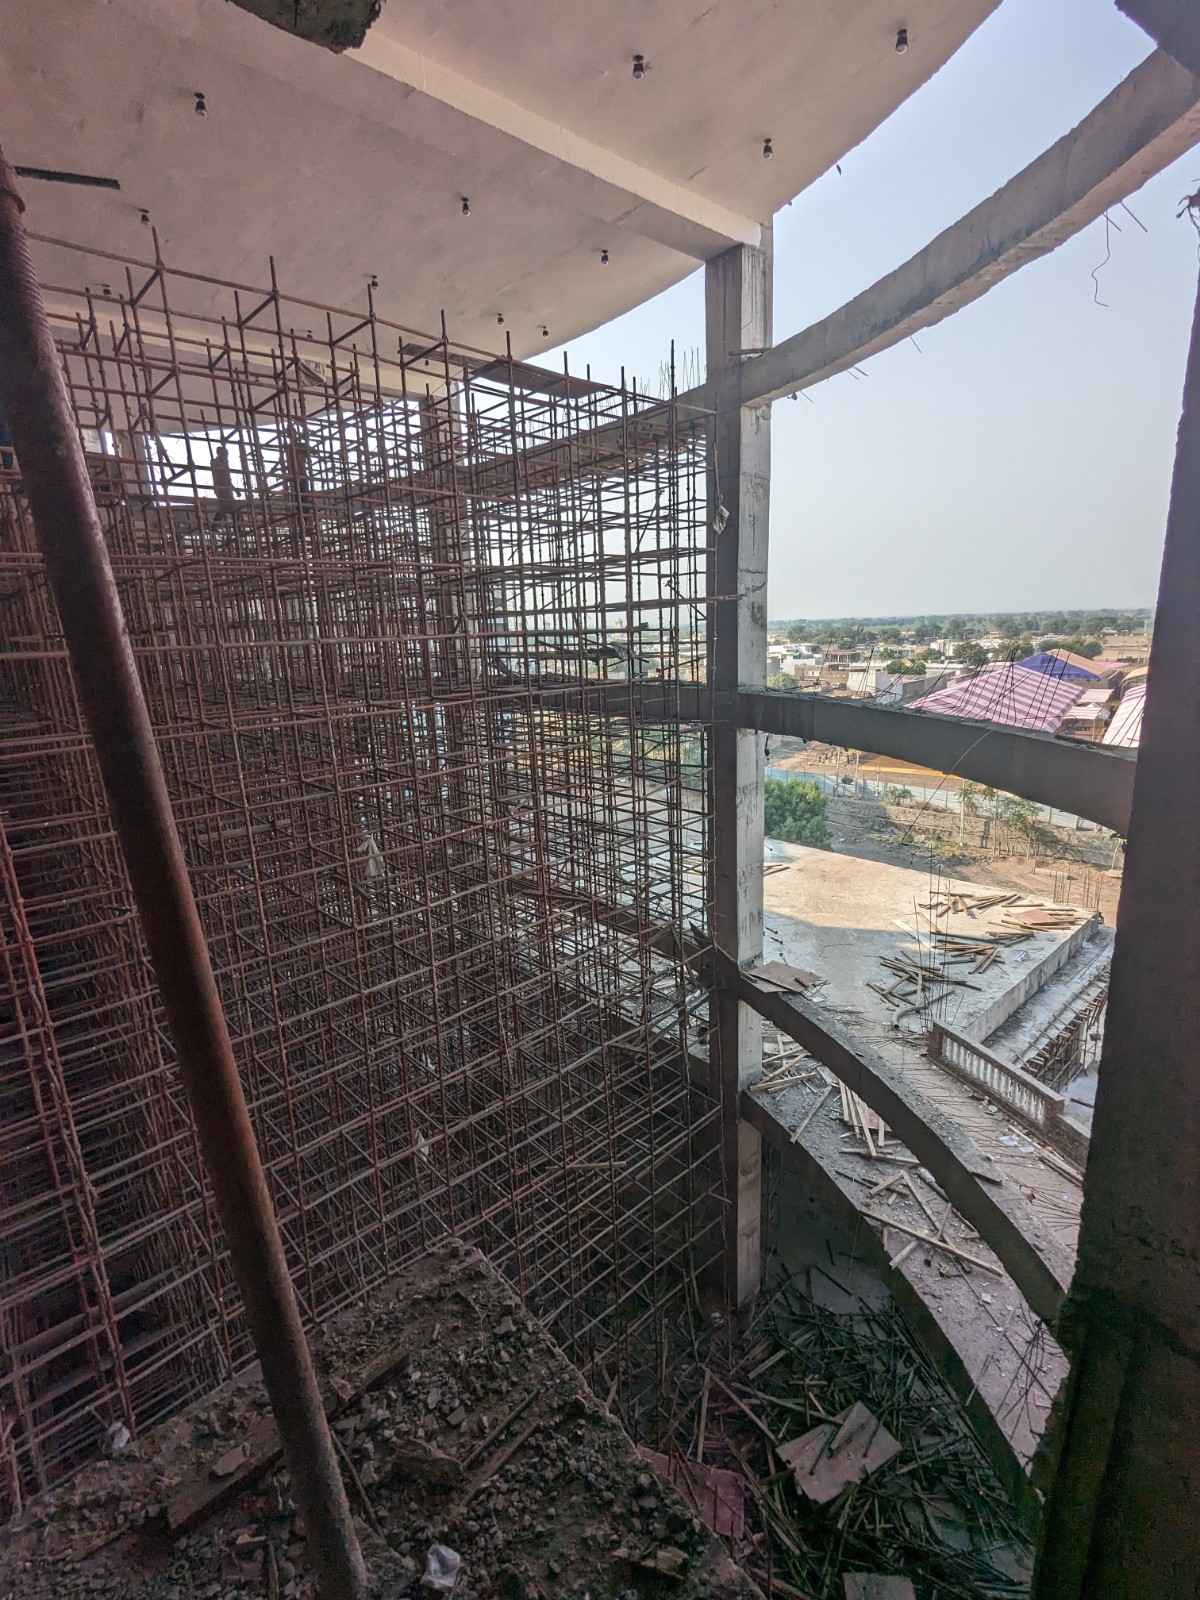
(463, 1425)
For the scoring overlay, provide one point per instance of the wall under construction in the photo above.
(394, 604)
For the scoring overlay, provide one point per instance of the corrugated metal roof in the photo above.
(1125, 729)
(1052, 661)
(1014, 696)
(1096, 665)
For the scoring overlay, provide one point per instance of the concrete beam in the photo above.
(1174, 25)
(738, 288)
(1150, 118)
(1092, 781)
(1035, 1263)
(1121, 1520)
(610, 184)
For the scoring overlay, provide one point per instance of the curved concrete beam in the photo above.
(1149, 119)
(1031, 1256)
(1092, 781)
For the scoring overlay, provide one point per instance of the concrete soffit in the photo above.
(654, 206)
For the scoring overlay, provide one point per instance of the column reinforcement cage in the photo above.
(396, 605)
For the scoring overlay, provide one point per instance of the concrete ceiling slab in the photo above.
(344, 166)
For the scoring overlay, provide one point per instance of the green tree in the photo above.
(970, 652)
(795, 811)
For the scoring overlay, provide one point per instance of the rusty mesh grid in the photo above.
(411, 620)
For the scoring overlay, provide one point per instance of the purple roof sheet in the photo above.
(1056, 667)
(1015, 696)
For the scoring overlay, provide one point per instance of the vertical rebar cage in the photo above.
(414, 622)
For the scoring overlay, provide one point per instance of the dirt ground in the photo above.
(910, 834)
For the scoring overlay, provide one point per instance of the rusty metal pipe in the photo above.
(56, 482)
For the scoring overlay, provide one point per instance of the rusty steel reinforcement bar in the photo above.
(1004, 1222)
(1089, 781)
(56, 482)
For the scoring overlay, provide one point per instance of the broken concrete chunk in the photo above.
(715, 1493)
(413, 1458)
(667, 1559)
(831, 1455)
(226, 1465)
(875, 1586)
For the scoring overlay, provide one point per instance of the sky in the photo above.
(1021, 458)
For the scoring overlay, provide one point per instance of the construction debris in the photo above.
(868, 1125)
(873, 1586)
(780, 975)
(715, 1494)
(833, 1454)
(549, 1497)
(892, 1440)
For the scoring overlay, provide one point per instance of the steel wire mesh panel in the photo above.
(399, 608)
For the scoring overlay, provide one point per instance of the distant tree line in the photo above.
(1075, 630)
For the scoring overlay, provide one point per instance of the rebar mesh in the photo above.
(396, 607)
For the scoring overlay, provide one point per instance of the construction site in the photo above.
(446, 1146)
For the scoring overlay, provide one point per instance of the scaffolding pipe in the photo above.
(54, 473)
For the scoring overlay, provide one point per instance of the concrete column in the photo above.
(1121, 1519)
(738, 317)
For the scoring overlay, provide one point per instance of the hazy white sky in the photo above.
(1023, 459)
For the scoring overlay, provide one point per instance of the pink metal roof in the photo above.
(1014, 696)
(1125, 729)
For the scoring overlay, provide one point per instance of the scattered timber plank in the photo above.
(783, 976)
(198, 1497)
(810, 1114)
(939, 1244)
